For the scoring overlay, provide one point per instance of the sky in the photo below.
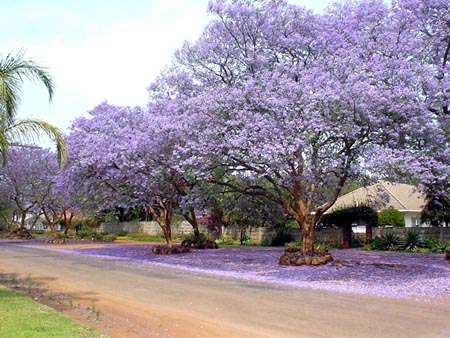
(99, 50)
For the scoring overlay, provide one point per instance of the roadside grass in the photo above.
(21, 317)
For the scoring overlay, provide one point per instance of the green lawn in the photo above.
(21, 317)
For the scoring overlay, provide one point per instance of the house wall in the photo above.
(411, 218)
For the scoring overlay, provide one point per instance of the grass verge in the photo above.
(22, 317)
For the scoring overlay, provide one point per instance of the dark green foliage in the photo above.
(390, 241)
(441, 246)
(282, 236)
(391, 217)
(347, 216)
(413, 240)
(437, 207)
(373, 244)
(198, 242)
(87, 233)
(294, 246)
(266, 242)
(192, 238)
(357, 243)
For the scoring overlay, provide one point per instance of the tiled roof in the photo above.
(383, 195)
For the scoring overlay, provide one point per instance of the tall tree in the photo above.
(124, 158)
(302, 101)
(14, 69)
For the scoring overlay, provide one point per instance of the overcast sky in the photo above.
(99, 50)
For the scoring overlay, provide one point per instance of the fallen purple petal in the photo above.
(423, 277)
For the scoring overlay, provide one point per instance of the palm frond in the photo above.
(14, 69)
(23, 132)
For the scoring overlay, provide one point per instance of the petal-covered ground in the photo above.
(424, 277)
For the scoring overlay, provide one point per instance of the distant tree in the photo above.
(391, 217)
(436, 210)
(26, 180)
(123, 158)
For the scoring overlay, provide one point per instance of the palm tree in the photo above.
(14, 69)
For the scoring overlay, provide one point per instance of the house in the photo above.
(384, 195)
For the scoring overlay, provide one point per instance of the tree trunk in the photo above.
(54, 232)
(168, 227)
(347, 236)
(369, 233)
(67, 222)
(192, 219)
(168, 236)
(307, 238)
(22, 224)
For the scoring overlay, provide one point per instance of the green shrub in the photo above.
(281, 237)
(62, 235)
(294, 245)
(413, 240)
(85, 233)
(373, 244)
(266, 242)
(357, 243)
(192, 238)
(440, 246)
(390, 241)
(108, 237)
(391, 217)
(224, 240)
(321, 247)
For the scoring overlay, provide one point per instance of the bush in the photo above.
(85, 233)
(108, 237)
(228, 241)
(357, 243)
(440, 247)
(373, 244)
(413, 240)
(390, 241)
(321, 247)
(391, 217)
(294, 246)
(281, 237)
(266, 242)
(192, 238)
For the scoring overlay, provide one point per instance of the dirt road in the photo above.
(152, 301)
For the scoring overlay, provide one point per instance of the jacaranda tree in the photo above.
(304, 102)
(27, 180)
